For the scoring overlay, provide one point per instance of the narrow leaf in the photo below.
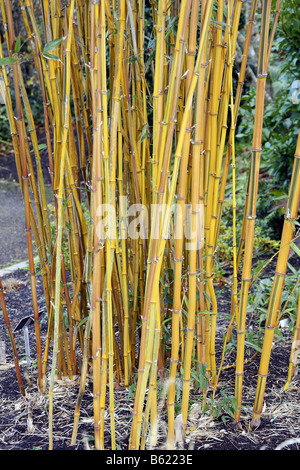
(18, 45)
(50, 46)
(8, 60)
(295, 248)
(50, 56)
(144, 133)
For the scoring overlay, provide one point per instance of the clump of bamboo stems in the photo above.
(144, 134)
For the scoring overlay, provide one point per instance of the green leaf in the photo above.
(82, 321)
(294, 271)
(254, 346)
(40, 147)
(18, 45)
(50, 56)
(8, 60)
(220, 23)
(295, 248)
(144, 133)
(234, 403)
(171, 27)
(50, 46)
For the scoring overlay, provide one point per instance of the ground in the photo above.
(24, 420)
(280, 420)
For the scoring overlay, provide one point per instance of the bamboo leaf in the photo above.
(220, 23)
(17, 45)
(292, 269)
(295, 248)
(40, 147)
(8, 60)
(144, 133)
(84, 320)
(50, 46)
(171, 27)
(254, 346)
(50, 56)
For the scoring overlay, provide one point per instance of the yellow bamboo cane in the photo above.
(275, 296)
(251, 215)
(25, 176)
(156, 267)
(60, 222)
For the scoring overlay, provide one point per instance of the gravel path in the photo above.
(13, 244)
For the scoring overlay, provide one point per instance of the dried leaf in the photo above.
(179, 429)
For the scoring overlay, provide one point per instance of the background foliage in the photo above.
(281, 122)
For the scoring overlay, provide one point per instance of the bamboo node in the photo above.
(264, 376)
